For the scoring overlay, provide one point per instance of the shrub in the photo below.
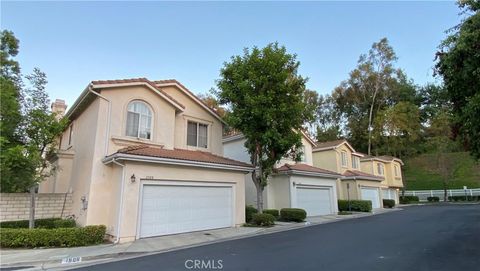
(388, 203)
(408, 199)
(293, 214)
(264, 220)
(463, 198)
(433, 199)
(249, 211)
(356, 205)
(60, 237)
(43, 223)
(273, 212)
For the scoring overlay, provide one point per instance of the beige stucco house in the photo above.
(145, 158)
(340, 157)
(294, 184)
(390, 168)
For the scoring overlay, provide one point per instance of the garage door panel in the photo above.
(176, 209)
(314, 200)
(371, 194)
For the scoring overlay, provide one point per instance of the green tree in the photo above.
(327, 119)
(366, 91)
(398, 128)
(440, 143)
(266, 96)
(458, 63)
(10, 83)
(29, 130)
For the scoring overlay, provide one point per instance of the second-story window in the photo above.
(197, 134)
(380, 168)
(396, 170)
(139, 120)
(355, 162)
(344, 159)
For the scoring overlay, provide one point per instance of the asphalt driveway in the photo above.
(431, 237)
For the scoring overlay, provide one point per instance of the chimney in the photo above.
(59, 107)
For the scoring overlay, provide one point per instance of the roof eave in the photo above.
(170, 161)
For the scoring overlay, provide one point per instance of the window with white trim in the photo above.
(380, 168)
(344, 159)
(355, 161)
(139, 120)
(396, 170)
(197, 134)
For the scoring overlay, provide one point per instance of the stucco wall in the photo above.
(326, 160)
(16, 206)
(195, 112)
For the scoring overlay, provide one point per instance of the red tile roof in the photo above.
(136, 80)
(181, 154)
(306, 168)
(356, 173)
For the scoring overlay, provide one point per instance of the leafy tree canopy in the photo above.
(267, 99)
(458, 63)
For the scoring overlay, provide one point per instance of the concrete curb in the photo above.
(130, 255)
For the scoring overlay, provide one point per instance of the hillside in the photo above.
(418, 177)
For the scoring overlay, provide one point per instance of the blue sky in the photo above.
(77, 42)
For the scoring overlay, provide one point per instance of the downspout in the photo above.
(107, 131)
(120, 205)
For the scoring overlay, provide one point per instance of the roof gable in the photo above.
(330, 145)
(188, 93)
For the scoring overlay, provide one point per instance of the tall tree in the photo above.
(41, 129)
(328, 119)
(440, 143)
(266, 96)
(28, 129)
(373, 87)
(458, 63)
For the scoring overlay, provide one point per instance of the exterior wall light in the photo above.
(133, 178)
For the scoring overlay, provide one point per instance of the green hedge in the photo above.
(356, 205)
(293, 214)
(43, 223)
(433, 199)
(463, 198)
(264, 220)
(249, 211)
(408, 199)
(273, 212)
(388, 203)
(60, 237)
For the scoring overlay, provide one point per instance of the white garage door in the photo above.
(389, 194)
(372, 195)
(177, 209)
(314, 200)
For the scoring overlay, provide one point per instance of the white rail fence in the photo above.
(424, 194)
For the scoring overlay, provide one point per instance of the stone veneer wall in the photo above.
(15, 206)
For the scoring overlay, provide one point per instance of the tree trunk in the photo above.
(259, 188)
(445, 194)
(31, 222)
(370, 128)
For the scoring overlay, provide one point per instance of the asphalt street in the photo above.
(430, 237)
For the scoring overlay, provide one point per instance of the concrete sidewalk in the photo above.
(52, 257)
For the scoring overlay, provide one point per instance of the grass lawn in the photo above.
(418, 177)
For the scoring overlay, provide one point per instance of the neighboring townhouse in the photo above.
(340, 157)
(145, 158)
(388, 166)
(294, 184)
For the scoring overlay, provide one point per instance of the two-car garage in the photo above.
(171, 209)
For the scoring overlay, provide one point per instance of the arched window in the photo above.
(139, 120)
